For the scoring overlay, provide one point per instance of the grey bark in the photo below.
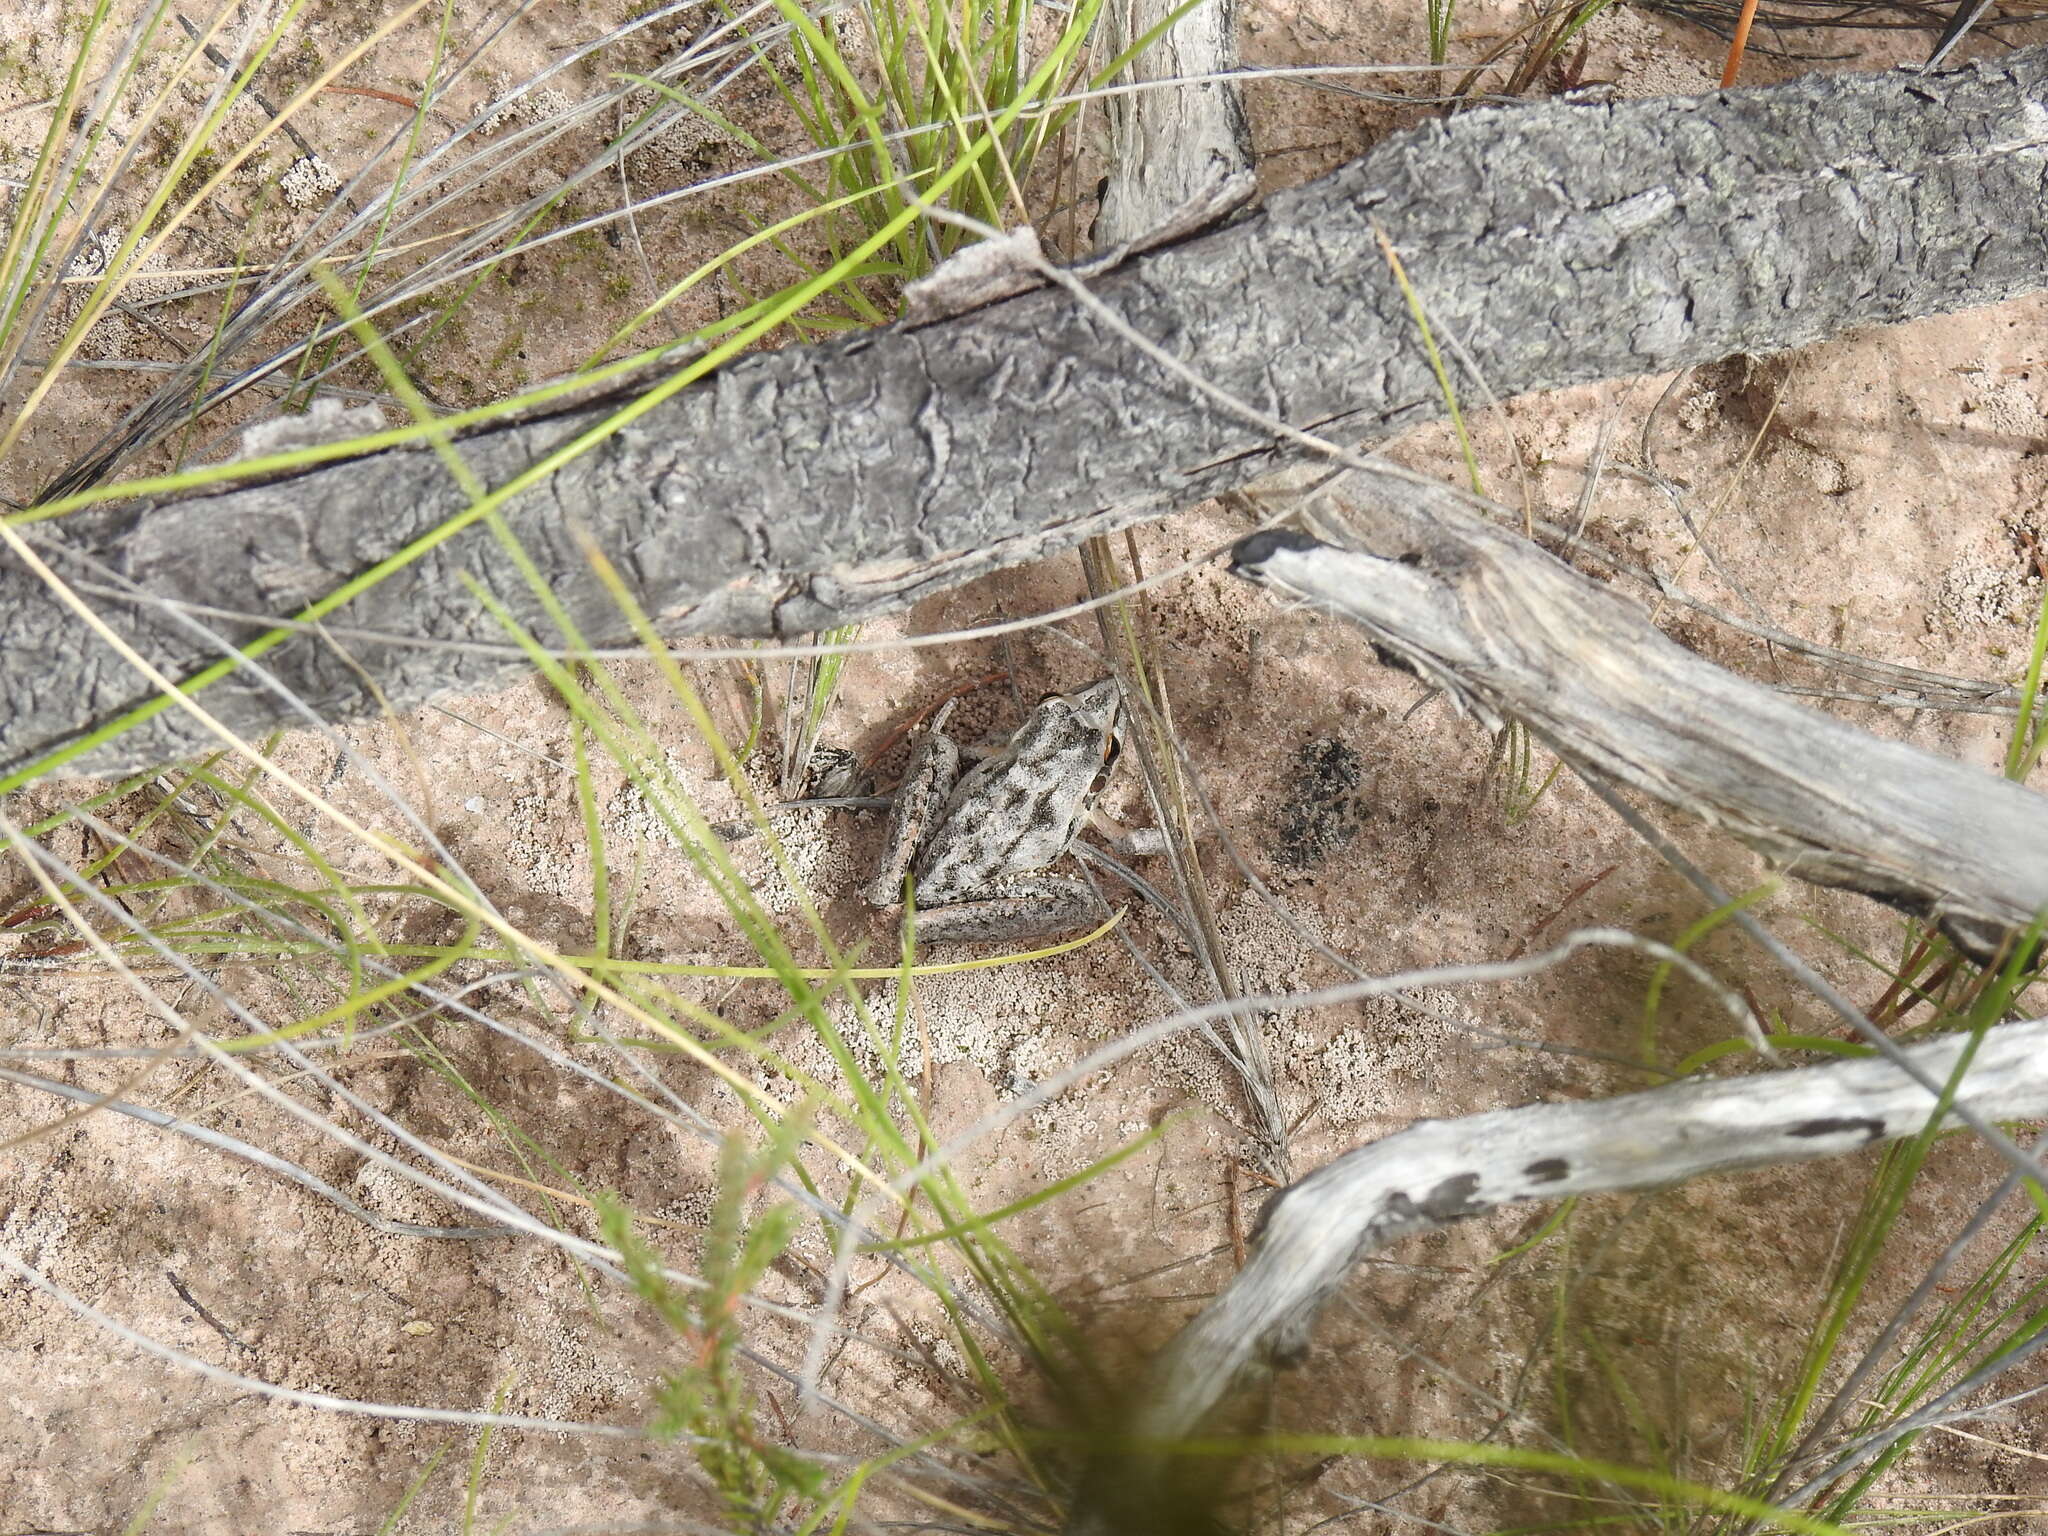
(1174, 148)
(1440, 1171)
(813, 486)
(1509, 631)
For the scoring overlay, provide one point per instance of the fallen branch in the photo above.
(1440, 1171)
(808, 487)
(1508, 631)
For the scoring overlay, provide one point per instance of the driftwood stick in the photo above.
(1507, 630)
(1440, 1171)
(808, 487)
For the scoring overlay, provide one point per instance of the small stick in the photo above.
(205, 1316)
(1232, 1220)
(1522, 944)
(363, 90)
(1437, 1172)
(1510, 632)
(1737, 43)
(958, 691)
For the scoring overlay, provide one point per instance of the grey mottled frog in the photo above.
(976, 845)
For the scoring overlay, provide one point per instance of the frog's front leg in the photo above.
(1024, 907)
(920, 803)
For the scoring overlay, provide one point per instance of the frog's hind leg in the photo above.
(920, 801)
(1030, 907)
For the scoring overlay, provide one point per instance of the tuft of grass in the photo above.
(705, 1396)
(1529, 52)
(2030, 725)
(813, 685)
(287, 933)
(1817, 1442)
(1440, 14)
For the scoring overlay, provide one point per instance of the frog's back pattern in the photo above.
(1016, 813)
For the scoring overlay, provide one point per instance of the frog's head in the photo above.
(1099, 707)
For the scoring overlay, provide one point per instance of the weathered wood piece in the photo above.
(1173, 148)
(1507, 630)
(811, 486)
(1440, 1171)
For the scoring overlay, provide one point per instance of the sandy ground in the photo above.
(1884, 508)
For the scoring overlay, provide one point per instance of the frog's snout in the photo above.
(1099, 704)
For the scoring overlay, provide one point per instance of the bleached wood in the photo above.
(1509, 631)
(1441, 1171)
(1177, 146)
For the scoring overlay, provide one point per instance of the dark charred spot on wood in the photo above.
(1250, 553)
(1873, 1130)
(1547, 1170)
(1397, 1211)
(1323, 811)
(1391, 659)
(1288, 1347)
(1452, 1199)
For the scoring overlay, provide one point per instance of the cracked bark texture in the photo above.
(812, 486)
